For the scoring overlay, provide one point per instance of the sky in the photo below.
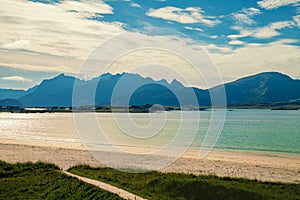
(40, 39)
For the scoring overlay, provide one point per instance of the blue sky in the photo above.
(42, 38)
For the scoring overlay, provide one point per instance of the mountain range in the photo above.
(132, 89)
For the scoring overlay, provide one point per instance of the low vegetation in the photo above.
(155, 185)
(44, 181)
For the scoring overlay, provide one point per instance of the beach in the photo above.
(262, 166)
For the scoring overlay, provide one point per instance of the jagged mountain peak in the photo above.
(262, 87)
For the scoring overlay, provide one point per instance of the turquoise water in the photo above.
(261, 130)
(255, 130)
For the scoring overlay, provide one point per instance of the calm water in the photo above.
(258, 130)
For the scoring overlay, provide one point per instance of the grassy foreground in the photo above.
(44, 181)
(157, 185)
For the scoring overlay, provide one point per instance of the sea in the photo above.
(259, 130)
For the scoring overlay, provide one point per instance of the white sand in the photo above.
(253, 165)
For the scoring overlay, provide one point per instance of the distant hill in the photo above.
(14, 94)
(124, 89)
(267, 87)
(10, 102)
(172, 94)
(51, 92)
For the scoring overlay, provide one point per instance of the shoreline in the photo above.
(132, 149)
(263, 166)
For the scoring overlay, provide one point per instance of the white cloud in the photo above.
(252, 11)
(297, 20)
(265, 32)
(16, 78)
(135, 5)
(218, 49)
(192, 28)
(54, 38)
(188, 15)
(86, 8)
(268, 31)
(272, 29)
(254, 58)
(243, 18)
(18, 44)
(243, 33)
(236, 42)
(245, 15)
(273, 4)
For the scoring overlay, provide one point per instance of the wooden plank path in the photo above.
(122, 193)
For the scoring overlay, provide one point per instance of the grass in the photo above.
(155, 185)
(44, 181)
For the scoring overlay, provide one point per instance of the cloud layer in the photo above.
(50, 36)
(273, 4)
(16, 78)
(58, 36)
(188, 15)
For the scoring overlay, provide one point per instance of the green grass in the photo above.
(44, 181)
(155, 185)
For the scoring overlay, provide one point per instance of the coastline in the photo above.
(263, 166)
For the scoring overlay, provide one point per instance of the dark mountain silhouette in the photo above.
(9, 93)
(10, 103)
(266, 87)
(133, 89)
(15, 94)
(173, 94)
(102, 90)
(51, 92)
